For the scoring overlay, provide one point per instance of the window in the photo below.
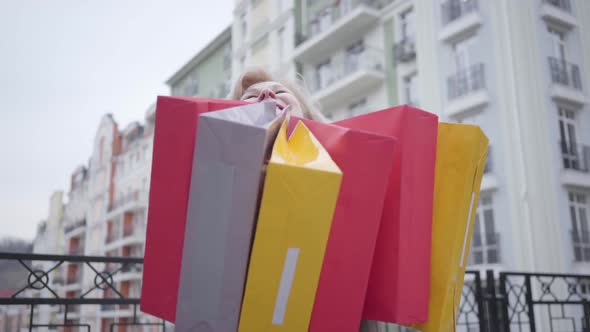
(558, 44)
(462, 52)
(323, 73)
(568, 140)
(485, 241)
(578, 204)
(411, 89)
(353, 56)
(406, 22)
(191, 85)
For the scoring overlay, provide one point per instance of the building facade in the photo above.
(515, 68)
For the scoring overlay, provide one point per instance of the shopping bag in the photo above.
(298, 201)
(399, 281)
(461, 155)
(172, 160)
(366, 160)
(230, 151)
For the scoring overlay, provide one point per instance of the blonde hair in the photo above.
(258, 75)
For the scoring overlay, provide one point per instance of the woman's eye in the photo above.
(248, 97)
(281, 91)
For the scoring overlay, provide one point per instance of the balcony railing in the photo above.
(452, 10)
(130, 197)
(485, 249)
(330, 15)
(581, 243)
(70, 227)
(405, 50)
(565, 73)
(466, 81)
(369, 59)
(561, 4)
(575, 156)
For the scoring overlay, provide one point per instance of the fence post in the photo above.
(529, 301)
(492, 312)
(479, 296)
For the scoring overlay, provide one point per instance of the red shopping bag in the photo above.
(366, 160)
(172, 161)
(398, 290)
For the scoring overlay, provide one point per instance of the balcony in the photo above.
(338, 26)
(566, 81)
(485, 249)
(404, 50)
(132, 201)
(576, 164)
(558, 11)
(131, 234)
(581, 244)
(350, 77)
(467, 90)
(459, 17)
(75, 228)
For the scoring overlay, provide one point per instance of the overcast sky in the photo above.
(65, 63)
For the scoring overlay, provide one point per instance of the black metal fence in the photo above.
(490, 302)
(63, 285)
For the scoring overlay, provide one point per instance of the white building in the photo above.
(516, 68)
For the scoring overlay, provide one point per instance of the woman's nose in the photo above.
(266, 94)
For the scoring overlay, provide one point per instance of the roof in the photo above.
(224, 36)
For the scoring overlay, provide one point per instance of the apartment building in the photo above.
(516, 68)
(208, 73)
(106, 215)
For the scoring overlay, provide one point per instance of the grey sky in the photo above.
(65, 63)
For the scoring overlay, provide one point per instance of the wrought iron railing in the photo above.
(490, 301)
(452, 10)
(565, 73)
(561, 4)
(37, 279)
(405, 50)
(575, 156)
(466, 81)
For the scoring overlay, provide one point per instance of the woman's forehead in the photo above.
(265, 85)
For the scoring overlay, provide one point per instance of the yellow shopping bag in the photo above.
(460, 161)
(298, 201)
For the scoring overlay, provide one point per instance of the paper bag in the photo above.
(231, 148)
(365, 159)
(399, 281)
(461, 155)
(174, 142)
(296, 211)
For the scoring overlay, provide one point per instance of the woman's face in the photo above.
(273, 91)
